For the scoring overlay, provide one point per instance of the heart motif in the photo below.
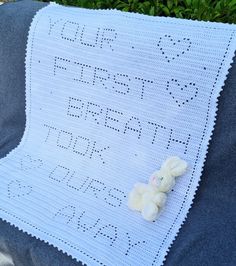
(28, 163)
(168, 47)
(16, 189)
(181, 94)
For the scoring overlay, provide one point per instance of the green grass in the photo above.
(208, 10)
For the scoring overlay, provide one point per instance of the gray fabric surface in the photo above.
(208, 237)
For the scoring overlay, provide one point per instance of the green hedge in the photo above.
(208, 10)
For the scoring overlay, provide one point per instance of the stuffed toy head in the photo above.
(164, 179)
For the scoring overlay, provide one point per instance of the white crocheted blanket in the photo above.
(109, 96)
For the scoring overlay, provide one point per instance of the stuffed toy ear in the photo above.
(175, 166)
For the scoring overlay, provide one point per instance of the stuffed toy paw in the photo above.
(150, 198)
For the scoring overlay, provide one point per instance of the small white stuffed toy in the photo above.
(150, 198)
